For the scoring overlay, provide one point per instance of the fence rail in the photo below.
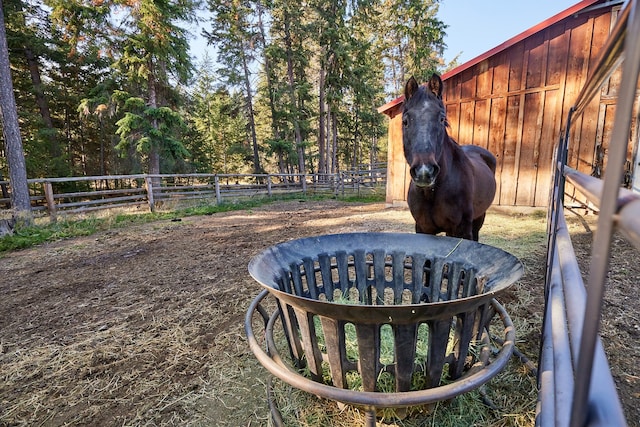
(85, 194)
(576, 387)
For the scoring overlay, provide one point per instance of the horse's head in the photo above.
(423, 129)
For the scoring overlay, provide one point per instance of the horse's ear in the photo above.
(410, 88)
(435, 85)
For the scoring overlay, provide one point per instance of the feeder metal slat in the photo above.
(464, 334)
(325, 270)
(436, 276)
(310, 343)
(379, 266)
(309, 274)
(360, 264)
(438, 338)
(342, 264)
(453, 285)
(290, 326)
(296, 278)
(417, 274)
(368, 338)
(405, 352)
(398, 276)
(336, 354)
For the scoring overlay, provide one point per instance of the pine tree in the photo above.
(11, 132)
(233, 33)
(219, 120)
(411, 38)
(154, 52)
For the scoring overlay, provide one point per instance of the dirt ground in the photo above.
(143, 325)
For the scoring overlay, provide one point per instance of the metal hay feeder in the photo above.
(372, 284)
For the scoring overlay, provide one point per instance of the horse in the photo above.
(452, 186)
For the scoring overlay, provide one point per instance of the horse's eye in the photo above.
(405, 122)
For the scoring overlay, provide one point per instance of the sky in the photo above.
(476, 26)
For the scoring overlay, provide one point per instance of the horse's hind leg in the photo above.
(477, 225)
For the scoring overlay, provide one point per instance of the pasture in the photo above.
(143, 325)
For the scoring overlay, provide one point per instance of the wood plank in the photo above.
(577, 68)
(516, 61)
(496, 141)
(605, 134)
(468, 84)
(485, 77)
(509, 176)
(481, 123)
(601, 30)
(583, 154)
(536, 64)
(558, 53)
(500, 81)
(584, 160)
(453, 116)
(613, 82)
(467, 112)
(548, 140)
(451, 90)
(396, 169)
(529, 149)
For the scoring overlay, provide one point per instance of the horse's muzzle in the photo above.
(424, 175)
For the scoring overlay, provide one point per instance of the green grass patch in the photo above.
(72, 226)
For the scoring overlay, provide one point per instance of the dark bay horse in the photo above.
(452, 186)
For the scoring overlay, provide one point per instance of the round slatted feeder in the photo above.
(413, 309)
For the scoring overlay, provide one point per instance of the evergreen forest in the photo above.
(110, 87)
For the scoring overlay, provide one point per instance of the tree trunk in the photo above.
(334, 142)
(356, 148)
(292, 95)
(154, 150)
(11, 131)
(42, 102)
(38, 90)
(322, 136)
(250, 116)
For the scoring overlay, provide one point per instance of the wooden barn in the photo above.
(514, 101)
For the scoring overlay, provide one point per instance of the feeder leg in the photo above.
(370, 417)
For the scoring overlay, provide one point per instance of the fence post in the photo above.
(217, 183)
(149, 184)
(269, 184)
(51, 203)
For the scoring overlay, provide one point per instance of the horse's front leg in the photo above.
(477, 225)
(463, 229)
(426, 227)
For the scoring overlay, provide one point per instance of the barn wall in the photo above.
(515, 104)
(397, 168)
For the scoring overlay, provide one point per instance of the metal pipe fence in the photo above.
(575, 383)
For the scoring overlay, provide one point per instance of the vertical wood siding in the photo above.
(515, 104)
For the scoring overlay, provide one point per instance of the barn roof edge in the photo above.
(578, 7)
(523, 35)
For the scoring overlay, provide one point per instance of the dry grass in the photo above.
(143, 325)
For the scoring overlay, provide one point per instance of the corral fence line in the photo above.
(85, 194)
(576, 387)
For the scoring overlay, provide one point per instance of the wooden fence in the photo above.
(85, 194)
